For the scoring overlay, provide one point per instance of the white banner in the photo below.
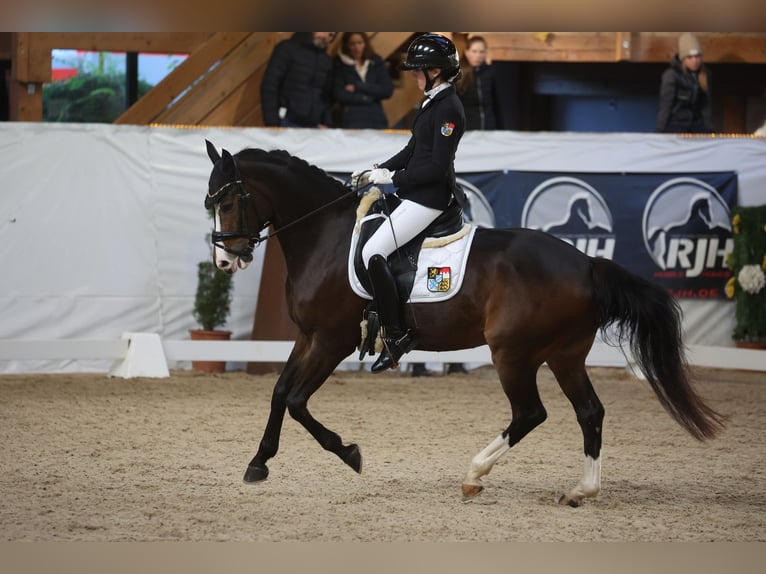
(102, 226)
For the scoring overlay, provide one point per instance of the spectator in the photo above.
(685, 102)
(478, 89)
(297, 84)
(361, 82)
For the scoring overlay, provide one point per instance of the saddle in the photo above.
(403, 261)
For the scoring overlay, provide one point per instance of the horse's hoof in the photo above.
(353, 458)
(566, 501)
(471, 491)
(255, 474)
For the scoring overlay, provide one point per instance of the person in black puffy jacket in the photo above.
(478, 88)
(424, 175)
(685, 104)
(361, 82)
(297, 86)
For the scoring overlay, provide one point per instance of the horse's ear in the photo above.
(227, 165)
(212, 153)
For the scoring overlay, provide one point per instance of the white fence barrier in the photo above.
(146, 355)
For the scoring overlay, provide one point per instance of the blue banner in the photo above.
(673, 229)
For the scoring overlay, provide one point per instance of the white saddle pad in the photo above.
(441, 266)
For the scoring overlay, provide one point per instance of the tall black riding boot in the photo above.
(396, 339)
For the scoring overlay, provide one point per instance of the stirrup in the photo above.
(393, 349)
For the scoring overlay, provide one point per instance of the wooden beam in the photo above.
(150, 106)
(609, 46)
(25, 102)
(623, 46)
(159, 42)
(551, 46)
(242, 107)
(241, 63)
(716, 47)
(25, 93)
(6, 39)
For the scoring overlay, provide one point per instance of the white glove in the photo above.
(356, 175)
(381, 176)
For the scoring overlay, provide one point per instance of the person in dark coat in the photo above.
(361, 82)
(685, 104)
(297, 86)
(424, 175)
(478, 88)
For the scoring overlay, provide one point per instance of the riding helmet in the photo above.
(432, 51)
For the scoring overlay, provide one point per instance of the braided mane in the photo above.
(283, 158)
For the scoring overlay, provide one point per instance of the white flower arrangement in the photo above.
(751, 278)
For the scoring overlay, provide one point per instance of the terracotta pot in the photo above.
(750, 344)
(202, 335)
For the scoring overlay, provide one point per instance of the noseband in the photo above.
(218, 237)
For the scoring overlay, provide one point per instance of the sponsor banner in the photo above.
(673, 229)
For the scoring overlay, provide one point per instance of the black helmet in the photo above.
(432, 51)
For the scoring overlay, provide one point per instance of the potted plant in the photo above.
(212, 304)
(747, 285)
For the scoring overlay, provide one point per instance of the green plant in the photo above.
(95, 96)
(212, 301)
(747, 285)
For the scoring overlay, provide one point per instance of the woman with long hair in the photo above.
(478, 89)
(361, 83)
(685, 102)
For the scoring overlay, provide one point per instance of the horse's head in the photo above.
(237, 225)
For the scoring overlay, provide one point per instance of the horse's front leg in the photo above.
(315, 367)
(308, 367)
(257, 469)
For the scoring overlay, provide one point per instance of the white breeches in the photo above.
(405, 222)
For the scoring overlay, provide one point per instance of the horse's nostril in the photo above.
(223, 264)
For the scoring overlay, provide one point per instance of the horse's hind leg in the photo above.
(520, 386)
(574, 381)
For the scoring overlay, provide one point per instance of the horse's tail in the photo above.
(649, 318)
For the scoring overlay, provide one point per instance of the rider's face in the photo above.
(420, 76)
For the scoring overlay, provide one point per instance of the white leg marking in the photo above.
(483, 462)
(590, 485)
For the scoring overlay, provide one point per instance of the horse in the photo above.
(529, 296)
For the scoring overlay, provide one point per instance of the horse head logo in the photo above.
(566, 206)
(681, 206)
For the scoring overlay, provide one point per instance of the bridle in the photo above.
(218, 237)
(255, 238)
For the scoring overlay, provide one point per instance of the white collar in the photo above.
(433, 91)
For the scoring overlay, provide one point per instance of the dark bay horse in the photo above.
(529, 296)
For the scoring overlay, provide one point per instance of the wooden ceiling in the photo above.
(219, 83)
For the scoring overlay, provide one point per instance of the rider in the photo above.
(424, 174)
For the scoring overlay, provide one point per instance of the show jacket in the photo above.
(425, 168)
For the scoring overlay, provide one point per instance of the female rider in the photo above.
(424, 175)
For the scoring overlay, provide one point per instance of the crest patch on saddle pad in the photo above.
(448, 128)
(438, 279)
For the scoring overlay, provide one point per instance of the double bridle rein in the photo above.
(253, 238)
